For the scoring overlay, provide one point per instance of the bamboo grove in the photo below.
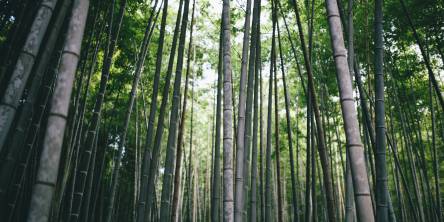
(200, 110)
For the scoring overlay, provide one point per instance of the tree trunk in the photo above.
(154, 163)
(143, 206)
(239, 201)
(228, 215)
(249, 106)
(24, 121)
(277, 145)
(252, 214)
(435, 154)
(308, 200)
(95, 119)
(170, 158)
(190, 160)
(268, 163)
(319, 127)
(289, 133)
(91, 174)
(50, 159)
(215, 186)
(177, 170)
(280, 210)
(380, 159)
(261, 140)
(354, 145)
(16, 85)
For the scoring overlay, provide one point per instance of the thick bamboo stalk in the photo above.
(354, 145)
(50, 159)
(24, 121)
(16, 85)
(228, 201)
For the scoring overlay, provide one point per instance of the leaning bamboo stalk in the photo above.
(85, 157)
(239, 201)
(142, 201)
(289, 133)
(47, 173)
(16, 85)
(319, 126)
(354, 144)
(135, 83)
(155, 156)
(177, 170)
(25, 115)
(426, 59)
(170, 158)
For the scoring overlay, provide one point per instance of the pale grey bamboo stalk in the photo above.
(50, 158)
(350, 213)
(16, 85)
(228, 214)
(240, 146)
(361, 186)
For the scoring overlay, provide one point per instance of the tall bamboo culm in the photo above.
(49, 161)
